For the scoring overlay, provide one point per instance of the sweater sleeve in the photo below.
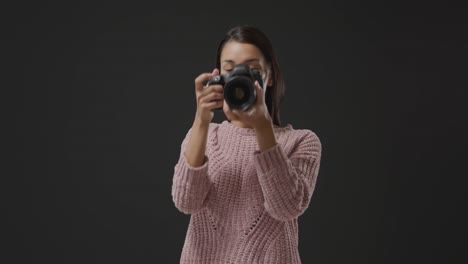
(288, 183)
(190, 185)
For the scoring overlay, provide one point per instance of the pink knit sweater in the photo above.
(244, 203)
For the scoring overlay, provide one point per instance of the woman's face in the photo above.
(234, 53)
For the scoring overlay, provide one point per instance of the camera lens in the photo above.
(239, 92)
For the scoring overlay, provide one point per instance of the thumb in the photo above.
(260, 92)
(215, 72)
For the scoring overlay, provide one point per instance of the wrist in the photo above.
(265, 136)
(265, 124)
(200, 123)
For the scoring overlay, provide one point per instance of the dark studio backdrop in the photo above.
(103, 95)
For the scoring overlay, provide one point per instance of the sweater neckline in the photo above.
(250, 131)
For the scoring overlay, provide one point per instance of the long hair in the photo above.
(251, 35)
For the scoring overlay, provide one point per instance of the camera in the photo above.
(239, 86)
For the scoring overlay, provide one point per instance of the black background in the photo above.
(103, 96)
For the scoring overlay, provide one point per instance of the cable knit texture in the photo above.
(243, 203)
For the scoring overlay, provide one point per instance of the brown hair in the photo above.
(251, 35)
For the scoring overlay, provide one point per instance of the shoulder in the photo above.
(306, 135)
(212, 127)
(299, 134)
(301, 140)
(211, 132)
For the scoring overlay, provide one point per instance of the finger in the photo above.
(212, 105)
(215, 88)
(200, 79)
(260, 93)
(213, 73)
(211, 97)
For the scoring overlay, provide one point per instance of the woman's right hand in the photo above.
(208, 97)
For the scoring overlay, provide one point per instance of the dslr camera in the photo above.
(239, 86)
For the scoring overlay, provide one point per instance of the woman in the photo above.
(247, 180)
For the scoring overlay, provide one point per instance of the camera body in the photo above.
(239, 86)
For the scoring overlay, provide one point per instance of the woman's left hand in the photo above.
(257, 115)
